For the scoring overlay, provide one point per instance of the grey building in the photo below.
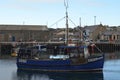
(10, 33)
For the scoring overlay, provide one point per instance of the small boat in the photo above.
(14, 52)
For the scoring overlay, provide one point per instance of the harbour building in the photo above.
(10, 33)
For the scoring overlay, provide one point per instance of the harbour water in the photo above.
(111, 71)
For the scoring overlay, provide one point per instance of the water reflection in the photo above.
(111, 75)
(112, 56)
(33, 75)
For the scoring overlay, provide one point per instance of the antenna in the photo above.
(66, 4)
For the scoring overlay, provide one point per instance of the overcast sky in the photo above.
(47, 12)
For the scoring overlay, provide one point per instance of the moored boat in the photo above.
(60, 58)
(65, 57)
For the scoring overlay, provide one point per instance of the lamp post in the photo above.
(94, 20)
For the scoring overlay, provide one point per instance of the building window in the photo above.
(110, 37)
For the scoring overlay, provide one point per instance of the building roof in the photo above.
(109, 32)
(91, 28)
(23, 27)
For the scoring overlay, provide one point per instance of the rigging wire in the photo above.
(72, 22)
(57, 21)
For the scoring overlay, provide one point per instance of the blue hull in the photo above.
(60, 65)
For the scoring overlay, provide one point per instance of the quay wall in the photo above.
(105, 47)
(6, 48)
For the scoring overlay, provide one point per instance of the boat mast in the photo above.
(67, 26)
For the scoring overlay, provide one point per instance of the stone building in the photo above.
(10, 33)
(93, 32)
(112, 34)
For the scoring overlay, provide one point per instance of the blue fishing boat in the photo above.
(60, 58)
(67, 57)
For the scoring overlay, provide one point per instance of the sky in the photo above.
(48, 12)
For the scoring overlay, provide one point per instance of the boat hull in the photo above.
(95, 64)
